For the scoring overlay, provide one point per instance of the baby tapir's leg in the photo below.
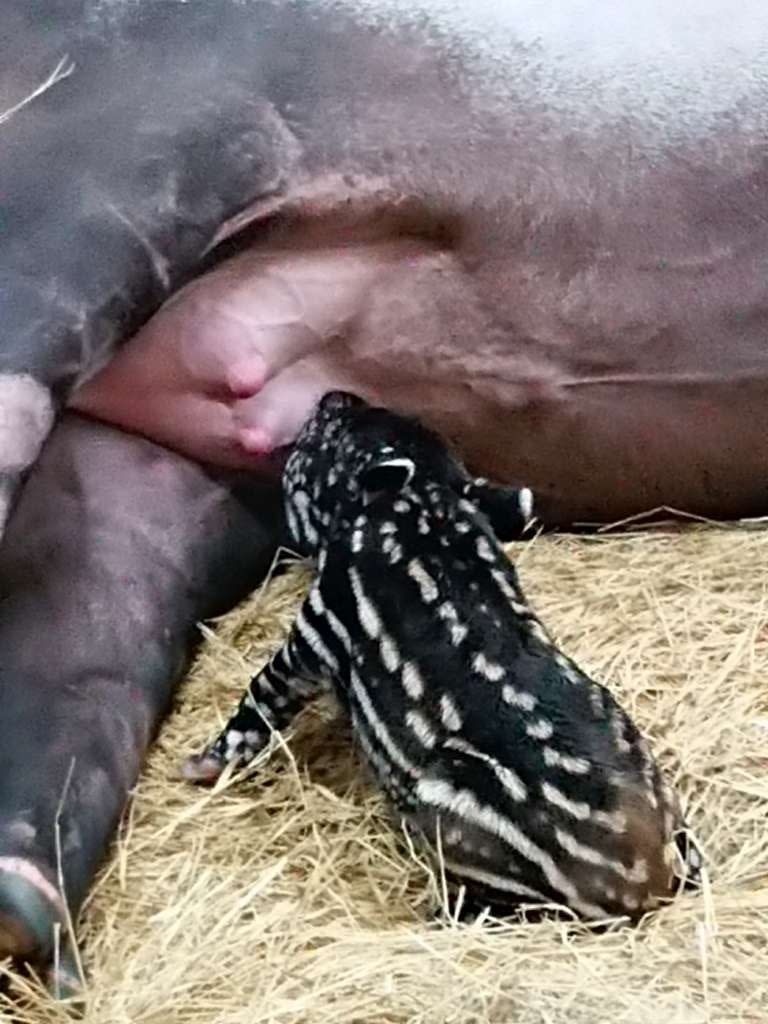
(115, 550)
(295, 675)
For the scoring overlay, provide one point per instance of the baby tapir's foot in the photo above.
(690, 859)
(233, 747)
(205, 768)
(274, 697)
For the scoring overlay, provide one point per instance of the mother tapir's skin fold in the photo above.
(584, 186)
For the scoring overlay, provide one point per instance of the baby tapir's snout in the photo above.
(523, 772)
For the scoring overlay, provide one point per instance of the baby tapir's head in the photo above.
(350, 453)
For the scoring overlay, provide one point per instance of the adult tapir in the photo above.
(541, 227)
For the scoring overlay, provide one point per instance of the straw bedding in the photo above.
(288, 897)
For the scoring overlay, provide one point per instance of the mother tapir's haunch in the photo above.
(522, 771)
(544, 228)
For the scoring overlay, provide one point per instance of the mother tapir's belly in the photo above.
(618, 386)
(554, 251)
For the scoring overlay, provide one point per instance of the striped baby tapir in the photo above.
(523, 773)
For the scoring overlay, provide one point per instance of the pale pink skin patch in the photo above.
(30, 873)
(231, 366)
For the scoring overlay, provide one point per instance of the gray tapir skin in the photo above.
(101, 584)
(571, 201)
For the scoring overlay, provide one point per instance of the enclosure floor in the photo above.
(289, 896)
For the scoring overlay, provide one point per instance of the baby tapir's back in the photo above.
(476, 726)
(527, 776)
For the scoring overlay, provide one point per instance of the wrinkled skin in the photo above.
(543, 232)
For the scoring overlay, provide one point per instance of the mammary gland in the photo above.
(492, 744)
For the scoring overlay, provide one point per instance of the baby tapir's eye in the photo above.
(390, 477)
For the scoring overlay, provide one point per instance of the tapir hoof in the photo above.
(30, 908)
(203, 769)
(64, 979)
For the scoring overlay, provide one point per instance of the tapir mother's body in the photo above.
(544, 230)
(581, 302)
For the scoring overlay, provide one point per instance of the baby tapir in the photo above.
(525, 773)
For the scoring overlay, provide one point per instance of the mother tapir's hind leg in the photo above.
(114, 551)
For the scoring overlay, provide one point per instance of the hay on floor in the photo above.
(288, 897)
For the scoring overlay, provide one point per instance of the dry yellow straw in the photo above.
(290, 898)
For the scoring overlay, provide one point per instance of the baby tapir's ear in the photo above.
(508, 509)
(388, 476)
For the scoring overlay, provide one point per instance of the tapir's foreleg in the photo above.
(294, 676)
(115, 550)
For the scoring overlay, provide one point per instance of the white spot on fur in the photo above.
(421, 728)
(366, 612)
(395, 554)
(490, 670)
(458, 633)
(484, 550)
(426, 585)
(412, 681)
(576, 808)
(234, 739)
(447, 611)
(449, 714)
(572, 765)
(518, 698)
(390, 655)
(541, 729)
